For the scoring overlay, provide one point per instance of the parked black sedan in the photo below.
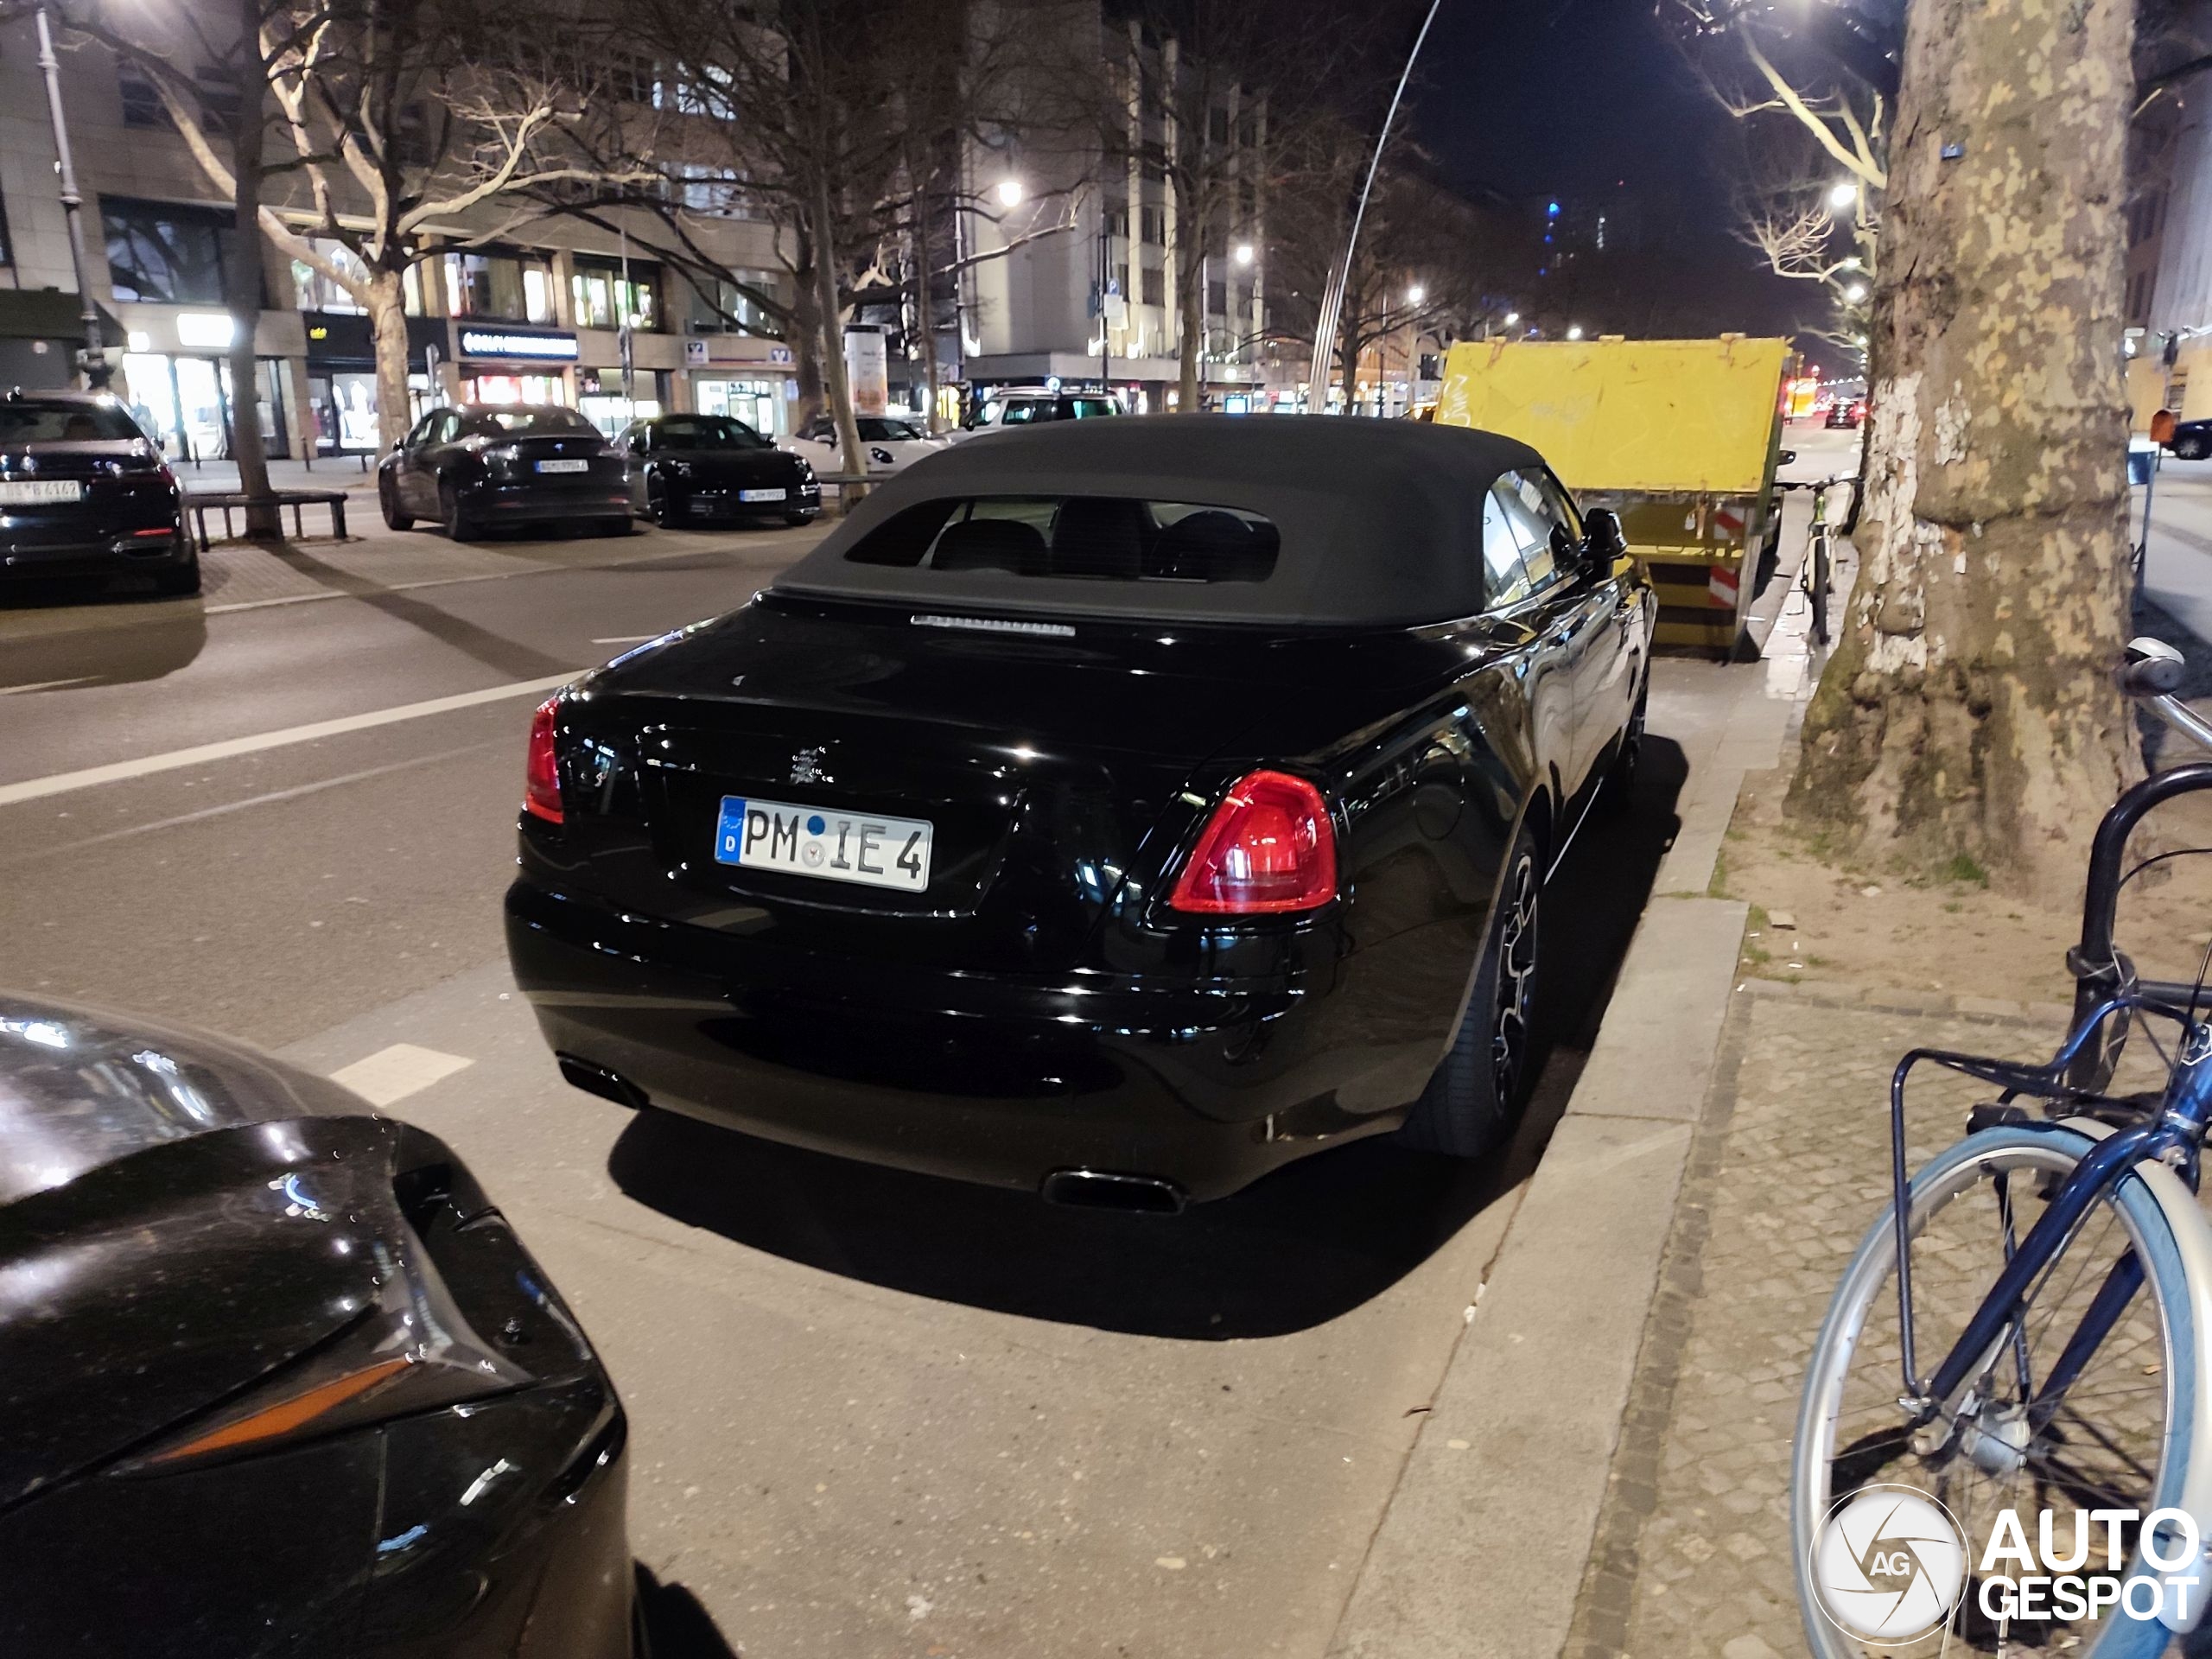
(486, 464)
(84, 492)
(1118, 809)
(689, 469)
(277, 1377)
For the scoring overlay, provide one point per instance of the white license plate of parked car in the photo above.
(872, 849)
(23, 492)
(564, 465)
(759, 495)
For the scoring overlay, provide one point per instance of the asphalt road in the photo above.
(873, 1414)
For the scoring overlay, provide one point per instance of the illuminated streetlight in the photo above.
(1243, 253)
(1842, 195)
(1009, 193)
(1855, 293)
(1574, 331)
(1512, 318)
(1415, 295)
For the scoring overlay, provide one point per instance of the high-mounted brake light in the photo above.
(541, 793)
(1269, 847)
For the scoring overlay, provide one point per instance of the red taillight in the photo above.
(540, 792)
(1269, 848)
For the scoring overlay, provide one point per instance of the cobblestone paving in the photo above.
(1692, 1554)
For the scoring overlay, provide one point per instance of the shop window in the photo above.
(169, 252)
(718, 307)
(320, 293)
(603, 300)
(506, 287)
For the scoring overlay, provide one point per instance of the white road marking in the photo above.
(61, 783)
(392, 1074)
(48, 685)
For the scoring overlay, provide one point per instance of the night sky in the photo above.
(1540, 97)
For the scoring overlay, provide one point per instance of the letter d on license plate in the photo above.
(872, 849)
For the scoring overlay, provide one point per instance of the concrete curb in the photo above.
(1512, 1459)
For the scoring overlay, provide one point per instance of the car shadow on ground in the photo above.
(1308, 1243)
(156, 645)
(676, 1624)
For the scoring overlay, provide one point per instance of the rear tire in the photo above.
(1475, 1097)
(1617, 793)
(388, 499)
(656, 500)
(181, 582)
(458, 527)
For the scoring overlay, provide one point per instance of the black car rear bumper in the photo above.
(495, 503)
(1203, 1085)
(32, 551)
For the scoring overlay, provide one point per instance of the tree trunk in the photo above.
(924, 299)
(1191, 320)
(1349, 347)
(851, 457)
(242, 282)
(1969, 709)
(387, 307)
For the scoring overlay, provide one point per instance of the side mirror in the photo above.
(1603, 544)
(1785, 457)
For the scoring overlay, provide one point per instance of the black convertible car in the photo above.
(1118, 809)
(84, 492)
(277, 1377)
(486, 464)
(689, 469)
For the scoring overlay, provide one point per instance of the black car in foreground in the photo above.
(486, 464)
(84, 492)
(1116, 809)
(277, 1377)
(691, 469)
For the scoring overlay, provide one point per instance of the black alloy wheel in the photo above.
(388, 499)
(1474, 1096)
(458, 527)
(657, 506)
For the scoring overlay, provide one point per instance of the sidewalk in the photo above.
(1515, 1465)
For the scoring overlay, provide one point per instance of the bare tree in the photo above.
(397, 124)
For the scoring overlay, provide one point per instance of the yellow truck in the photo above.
(1680, 437)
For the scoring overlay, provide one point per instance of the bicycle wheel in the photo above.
(2118, 1439)
(1823, 575)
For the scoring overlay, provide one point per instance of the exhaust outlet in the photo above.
(598, 1080)
(1096, 1189)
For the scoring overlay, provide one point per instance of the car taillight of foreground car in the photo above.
(1268, 849)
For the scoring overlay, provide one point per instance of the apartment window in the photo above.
(705, 89)
(1121, 279)
(1155, 286)
(1154, 221)
(1217, 299)
(633, 79)
(1247, 132)
(141, 104)
(1217, 125)
(513, 288)
(718, 307)
(603, 300)
(168, 252)
(1154, 160)
(1117, 218)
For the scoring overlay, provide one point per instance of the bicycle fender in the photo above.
(2192, 1235)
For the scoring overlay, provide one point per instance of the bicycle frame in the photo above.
(2172, 1137)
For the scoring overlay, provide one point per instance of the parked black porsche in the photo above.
(691, 469)
(277, 1377)
(85, 492)
(1117, 809)
(486, 464)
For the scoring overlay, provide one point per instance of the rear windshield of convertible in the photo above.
(1090, 537)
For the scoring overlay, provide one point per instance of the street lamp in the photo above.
(94, 355)
(1009, 193)
(1574, 331)
(1415, 295)
(1855, 293)
(1842, 195)
(1243, 253)
(1512, 319)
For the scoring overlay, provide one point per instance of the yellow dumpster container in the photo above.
(1678, 436)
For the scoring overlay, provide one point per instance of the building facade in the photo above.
(537, 316)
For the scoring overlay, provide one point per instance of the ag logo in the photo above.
(811, 765)
(1888, 1564)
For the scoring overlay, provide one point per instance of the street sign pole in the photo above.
(93, 358)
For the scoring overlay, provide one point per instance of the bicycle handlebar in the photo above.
(1815, 483)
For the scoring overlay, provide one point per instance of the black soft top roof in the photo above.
(1381, 521)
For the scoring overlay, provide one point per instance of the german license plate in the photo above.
(759, 495)
(23, 492)
(872, 849)
(564, 465)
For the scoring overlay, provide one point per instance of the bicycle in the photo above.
(1816, 574)
(2060, 1264)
